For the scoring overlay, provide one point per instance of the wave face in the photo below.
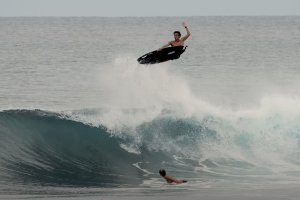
(58, 149)
(40, 147)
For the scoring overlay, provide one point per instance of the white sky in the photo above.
(148, 7)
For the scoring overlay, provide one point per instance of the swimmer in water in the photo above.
(170, 179)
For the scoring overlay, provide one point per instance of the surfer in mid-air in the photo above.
(170, 179)
(166, 53)
(178, 41)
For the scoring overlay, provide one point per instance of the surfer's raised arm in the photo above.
(187, 32)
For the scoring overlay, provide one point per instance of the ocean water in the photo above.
(81, 119)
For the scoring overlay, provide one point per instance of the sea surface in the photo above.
(81, 119)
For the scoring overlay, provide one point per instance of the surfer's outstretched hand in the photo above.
(184, 24)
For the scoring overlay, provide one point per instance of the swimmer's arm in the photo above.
(178, 181)
(187, 32)
(170, 179)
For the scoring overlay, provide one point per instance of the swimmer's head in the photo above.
(162, 172)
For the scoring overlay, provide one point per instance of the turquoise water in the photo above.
(80, 118)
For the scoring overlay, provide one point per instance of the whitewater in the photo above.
(80, 118)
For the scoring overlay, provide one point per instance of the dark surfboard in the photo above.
(158, 56)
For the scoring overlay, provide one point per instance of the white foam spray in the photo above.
(264, 135)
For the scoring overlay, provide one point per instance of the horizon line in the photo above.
(134, 16)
